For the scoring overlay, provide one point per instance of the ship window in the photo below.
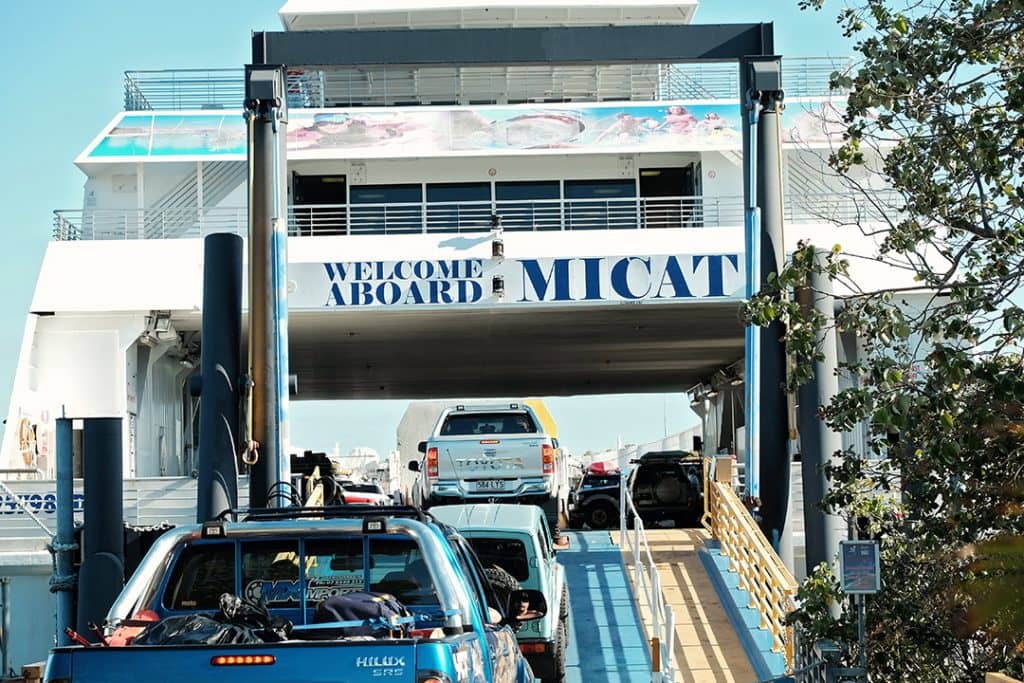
(459, 192)
(459, 207)
(529, 205)
(385, 209)
(600, 204)
(599, 189)
(201, 574)
(385, 194)
(528, 189)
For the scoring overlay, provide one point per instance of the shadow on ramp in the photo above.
(606, 640)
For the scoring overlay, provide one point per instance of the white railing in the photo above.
(457, 217)
(647, 584)
(397, 85)
(406, 218)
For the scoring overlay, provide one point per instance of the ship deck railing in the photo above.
(459, 217)
(317, 87)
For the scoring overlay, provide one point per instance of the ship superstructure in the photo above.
(454, 231)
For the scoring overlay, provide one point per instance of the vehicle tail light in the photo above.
(432, 462)
(533, 648)
(242, 660)
(548, 457)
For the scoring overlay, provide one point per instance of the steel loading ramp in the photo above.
(705, 647)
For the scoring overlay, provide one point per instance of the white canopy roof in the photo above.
(305, 15)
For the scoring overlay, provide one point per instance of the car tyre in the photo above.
(558, 657)
(600, 515)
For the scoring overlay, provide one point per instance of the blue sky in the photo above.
(65, 68)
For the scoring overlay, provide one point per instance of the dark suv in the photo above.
(667, 485)
(595, 501)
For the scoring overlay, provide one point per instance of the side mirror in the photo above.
(526, 605)
(414, 465)
(422, 446)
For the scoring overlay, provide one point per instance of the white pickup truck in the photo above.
(491, 453)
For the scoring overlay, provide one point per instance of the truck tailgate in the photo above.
(490, 457)
(294, 662)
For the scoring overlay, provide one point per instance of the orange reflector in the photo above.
(242, 660)
(532, 648)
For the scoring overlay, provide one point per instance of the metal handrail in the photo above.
(529, 215)
(770, 585)
(395, 85)
(801, 76)
(406, 218)
(647, 581)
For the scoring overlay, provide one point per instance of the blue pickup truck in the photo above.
(454, 630)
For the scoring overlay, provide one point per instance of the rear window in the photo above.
(362, 488)
(200, 575)
(508, 554)
(278, 571)
(462, 424)
(600, 480)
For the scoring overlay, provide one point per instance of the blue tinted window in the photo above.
(459, 192)
(599, 189)
(529, 205)
(527, 190)
(385, 194)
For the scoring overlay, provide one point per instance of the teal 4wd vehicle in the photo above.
(294, 565)
(516, 539)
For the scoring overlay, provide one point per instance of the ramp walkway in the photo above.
(606, 640)
(706, 648)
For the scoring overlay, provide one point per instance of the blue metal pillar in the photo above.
(62, 582)
(752, 249)
(220, 373)
(102, 574)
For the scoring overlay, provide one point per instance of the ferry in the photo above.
(454, 232)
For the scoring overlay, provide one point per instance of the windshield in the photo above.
(464, 424)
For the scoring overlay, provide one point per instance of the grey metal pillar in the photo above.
(102, 574)
(266, 113)
(818, 443)
(220, 372)
(62, 582)
(774, 416)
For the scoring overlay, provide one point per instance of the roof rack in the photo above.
(329, 512)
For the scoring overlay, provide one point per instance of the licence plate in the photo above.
(490, 485)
